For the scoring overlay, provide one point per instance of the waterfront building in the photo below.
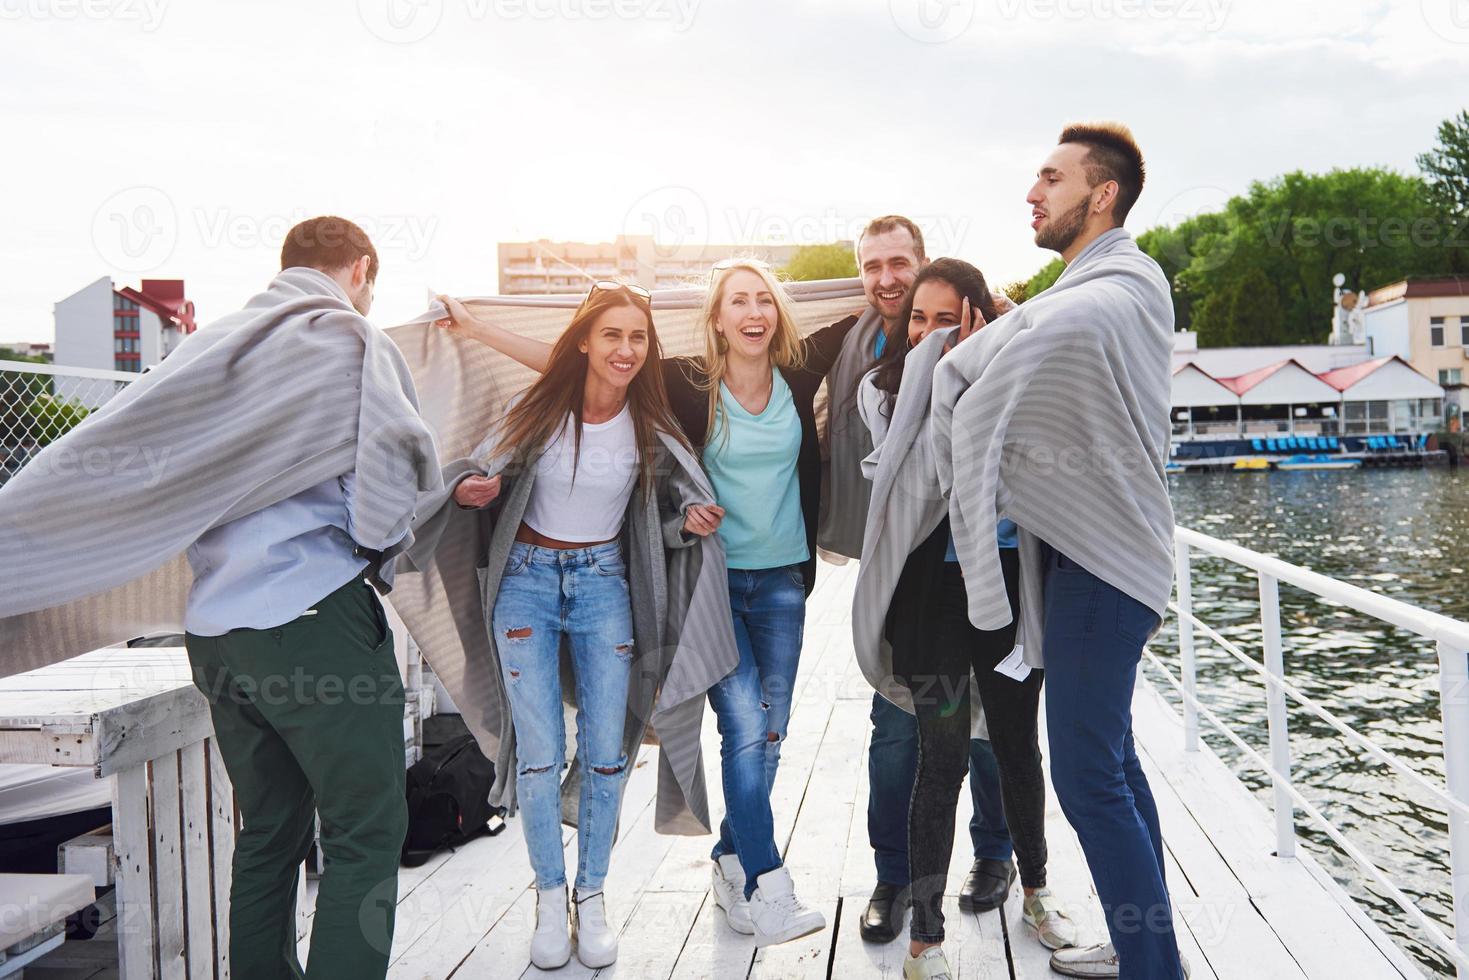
(1426, 323)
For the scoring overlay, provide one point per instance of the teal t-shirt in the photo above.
(751, 460)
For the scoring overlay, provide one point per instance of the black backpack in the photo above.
(448, 792)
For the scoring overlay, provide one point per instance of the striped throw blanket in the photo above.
(292, 390)
(1056, 416)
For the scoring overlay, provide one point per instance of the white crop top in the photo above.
(592, 507)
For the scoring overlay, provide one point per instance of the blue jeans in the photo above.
(1094, 636)
(753, 704)
(892, 763)
(579, 595)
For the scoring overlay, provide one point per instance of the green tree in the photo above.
(1447, 165)
(1043, 279)
(52, 418)
(1298, 230)
(834, 261)
(1018, 291)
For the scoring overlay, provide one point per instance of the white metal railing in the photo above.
(1452, 639)
(40, 402)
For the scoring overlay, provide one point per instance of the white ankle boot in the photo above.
(777, 914)
(550, 946)
(596, 942)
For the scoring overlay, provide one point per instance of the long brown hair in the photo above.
(539, 415)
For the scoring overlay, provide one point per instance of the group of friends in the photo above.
(637, 535)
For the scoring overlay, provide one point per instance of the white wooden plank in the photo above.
(147, 729)
(712, 950)
(815, 865)
(1318, 932)
(137, 937)
(440, 922)
(168, 868)
(654, 936)
(626, 876)
(221, 853)
(198, 886)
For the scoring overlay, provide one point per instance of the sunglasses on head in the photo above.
(611, 284)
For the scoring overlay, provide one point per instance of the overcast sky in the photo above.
(181, 139)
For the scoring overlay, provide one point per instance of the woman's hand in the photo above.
(477, 491)
(460, 322)
(703, 519)
(970, 322)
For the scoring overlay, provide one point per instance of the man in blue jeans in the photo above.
(892, 763)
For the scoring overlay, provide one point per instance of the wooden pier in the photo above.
(1240, 912)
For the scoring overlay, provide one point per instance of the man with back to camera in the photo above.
(292, 454)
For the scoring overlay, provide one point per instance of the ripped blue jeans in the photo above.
(580, 595)
(753, 704)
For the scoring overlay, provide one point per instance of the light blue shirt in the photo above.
(267, 568)
(1006, 536)
(751, 460)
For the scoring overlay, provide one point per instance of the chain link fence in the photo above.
(41, 402)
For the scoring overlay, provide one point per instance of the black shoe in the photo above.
(883, 917)
(986, 885)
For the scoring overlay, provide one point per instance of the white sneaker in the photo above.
(1043, 913)
(550, 946)
(1093, 961)
(931, 964)
(729, 893)
(777, 914)
(596, 942)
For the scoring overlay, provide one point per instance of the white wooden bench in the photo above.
(33, 911)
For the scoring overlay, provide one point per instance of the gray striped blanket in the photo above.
(684, 638)
(1056, 416)
(292, 390)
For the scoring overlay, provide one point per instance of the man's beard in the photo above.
(1061, 232)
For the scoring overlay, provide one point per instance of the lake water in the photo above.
(1403, 533)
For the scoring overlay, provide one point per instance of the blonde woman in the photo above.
(747, 405)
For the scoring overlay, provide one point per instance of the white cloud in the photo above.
(780, 118)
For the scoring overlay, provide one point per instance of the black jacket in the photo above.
(690, 404)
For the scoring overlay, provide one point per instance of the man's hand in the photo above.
(1003, 304)
(477, 491)
(703, 519)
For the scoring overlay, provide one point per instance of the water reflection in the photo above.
(1403, 533)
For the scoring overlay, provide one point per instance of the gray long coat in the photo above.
(683, 635)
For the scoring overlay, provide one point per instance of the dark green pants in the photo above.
(308, 718)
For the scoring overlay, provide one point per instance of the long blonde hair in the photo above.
(786, 350)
